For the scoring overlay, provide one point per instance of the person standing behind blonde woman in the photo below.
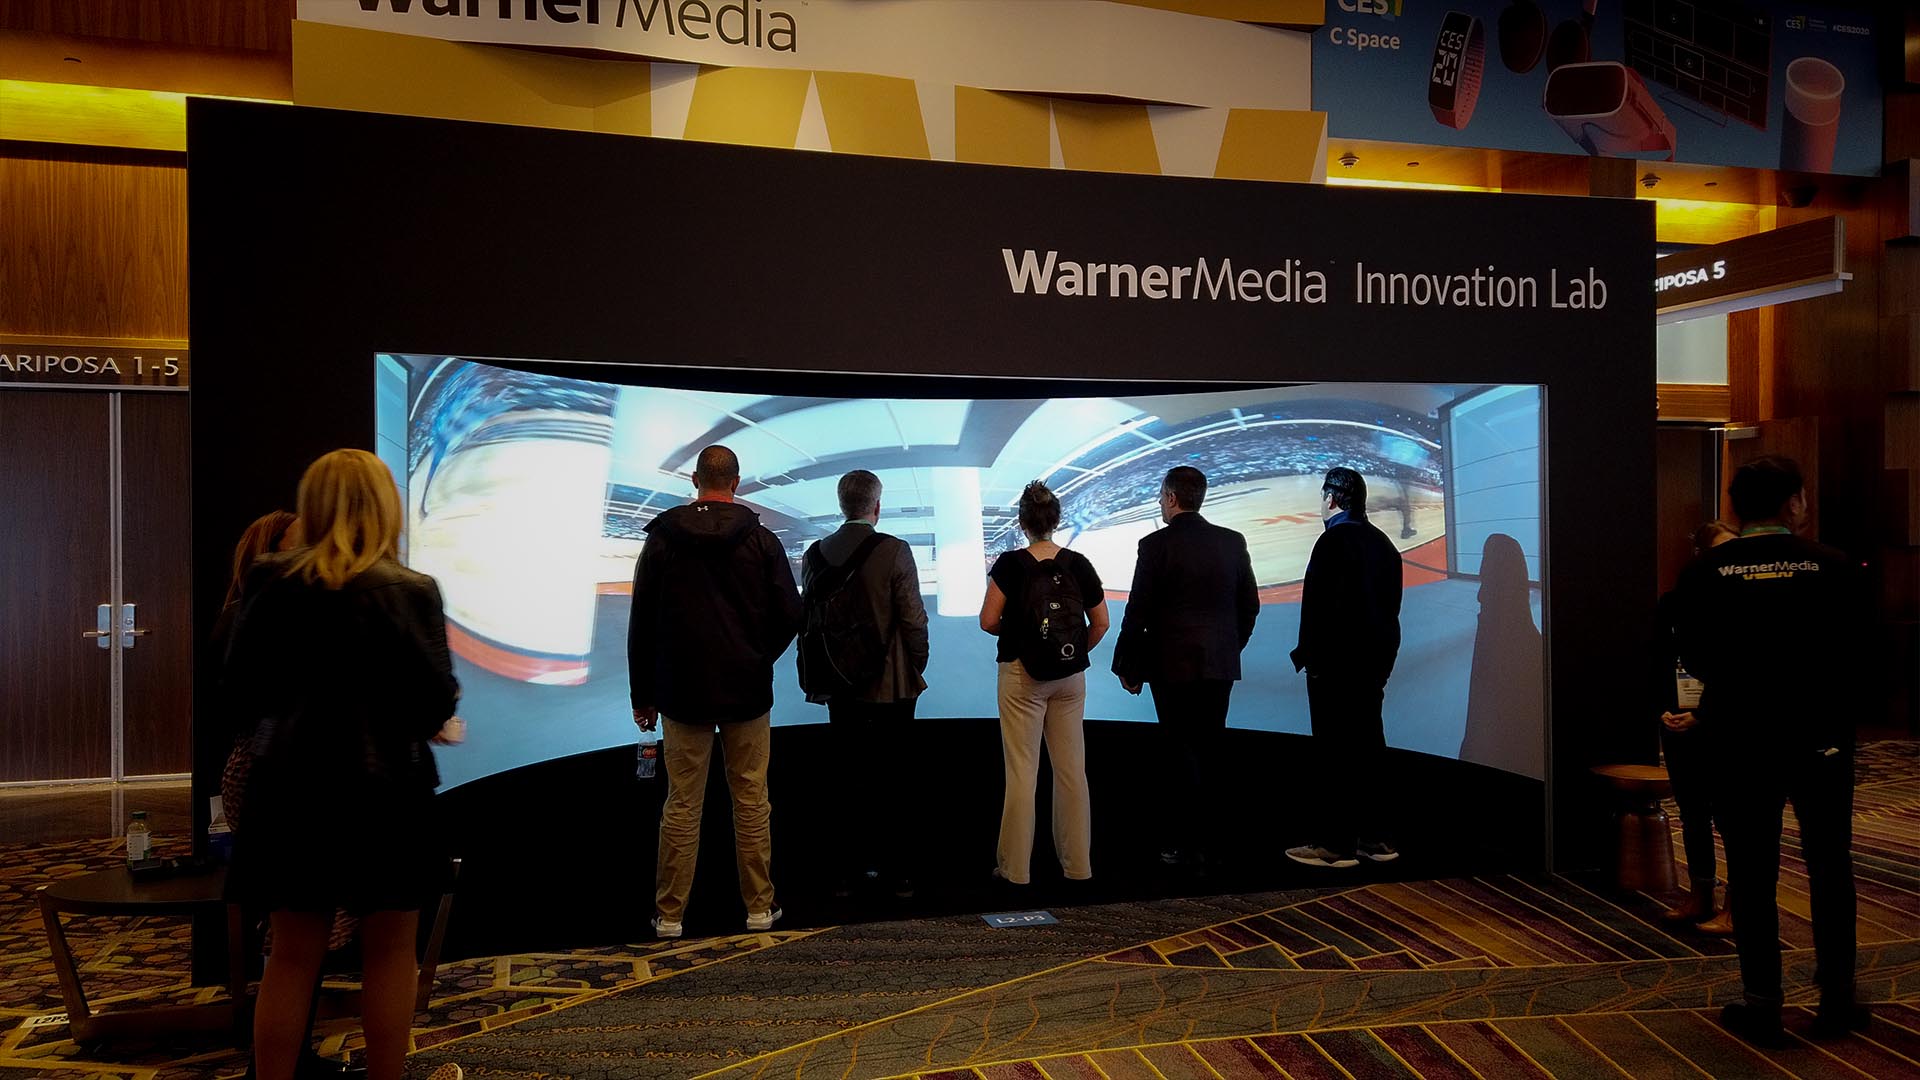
(1047, 607)
(338, 663)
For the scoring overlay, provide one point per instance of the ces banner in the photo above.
(1752, 83)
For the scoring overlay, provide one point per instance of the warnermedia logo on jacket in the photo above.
(741, 22)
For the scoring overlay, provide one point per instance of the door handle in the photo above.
(102, 633)
(128, 631)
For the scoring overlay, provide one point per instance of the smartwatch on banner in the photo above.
(1459, 58)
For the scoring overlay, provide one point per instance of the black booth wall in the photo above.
(319, 238)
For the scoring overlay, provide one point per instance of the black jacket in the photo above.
(1770, 624)
(342, 687)
(713, 607)
(1192, 606)
(1350, 603)
(890, 583)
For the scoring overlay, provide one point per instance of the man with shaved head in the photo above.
(714, 605)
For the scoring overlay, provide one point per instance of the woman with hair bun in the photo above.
(1047, 607)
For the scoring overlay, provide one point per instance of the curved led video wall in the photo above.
(528, 493)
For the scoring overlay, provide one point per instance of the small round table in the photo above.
(1644, 861)
(117, 892)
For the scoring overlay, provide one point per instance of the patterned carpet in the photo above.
(1492, 977)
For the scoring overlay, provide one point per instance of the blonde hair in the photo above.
(349, 518)
(270, 532)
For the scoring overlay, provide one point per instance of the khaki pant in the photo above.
(1030, 710)
(688, 749)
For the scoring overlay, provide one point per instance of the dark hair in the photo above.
(1039, 511)
(1706, 534)
(1188, 484)
(716, 469)
(1762, 487)
(1349, 491)
(859, 494)
(270, 532)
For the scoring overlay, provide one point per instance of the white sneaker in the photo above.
(449, 1071)
(765, 919)
(664, 930)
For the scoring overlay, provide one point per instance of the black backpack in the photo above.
(1056, 638)
(841, 650)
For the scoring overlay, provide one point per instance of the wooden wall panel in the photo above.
(95, 245)
(222, 24)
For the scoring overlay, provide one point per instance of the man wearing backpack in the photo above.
(713, 607)
(1189, 615)
(863, 650)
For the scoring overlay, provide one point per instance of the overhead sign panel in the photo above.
(1791, 263)
(1060, 47)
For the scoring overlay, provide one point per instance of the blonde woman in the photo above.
(1048, 608)
(338, 664)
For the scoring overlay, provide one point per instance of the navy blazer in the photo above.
(1192, 607)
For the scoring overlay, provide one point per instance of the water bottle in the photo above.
(139, 838)
(646, 758)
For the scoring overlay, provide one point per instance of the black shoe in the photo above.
(903, 888)
(1757, 1025)
(1377, 851)
(1836, 1020)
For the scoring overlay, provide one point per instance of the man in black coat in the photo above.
(1190, 613)
(1770, 622)
(1349, 638)
(870, 722)
(714, 606)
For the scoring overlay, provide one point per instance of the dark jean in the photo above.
(1192, 717)
(1351, 742)
(1751, 796)
(1690, 768)
(869, 743)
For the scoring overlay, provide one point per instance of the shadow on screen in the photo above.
(1504, 694)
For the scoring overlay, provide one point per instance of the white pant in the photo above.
(1029, 710)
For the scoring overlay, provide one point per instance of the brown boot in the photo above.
(1720, 925)
(1698, 905)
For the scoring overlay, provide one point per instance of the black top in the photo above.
(1192, 607)
(342, 689)
(1350, 603)
(714, 605)
(1012, 570)
(343, 682)
(1771, 625)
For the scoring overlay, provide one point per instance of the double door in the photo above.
(96, 654)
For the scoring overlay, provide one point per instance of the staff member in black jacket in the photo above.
(870, 722)
(1188, 616)
(713, 607)
(1776, 706)
(1349, 638)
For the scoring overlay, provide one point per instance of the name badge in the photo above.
(1686, 689)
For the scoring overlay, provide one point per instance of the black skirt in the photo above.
(308, 845)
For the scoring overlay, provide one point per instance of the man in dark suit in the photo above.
(1188, 617)
(869, 722)
(1349, 637)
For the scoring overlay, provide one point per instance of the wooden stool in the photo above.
(1644, 860)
